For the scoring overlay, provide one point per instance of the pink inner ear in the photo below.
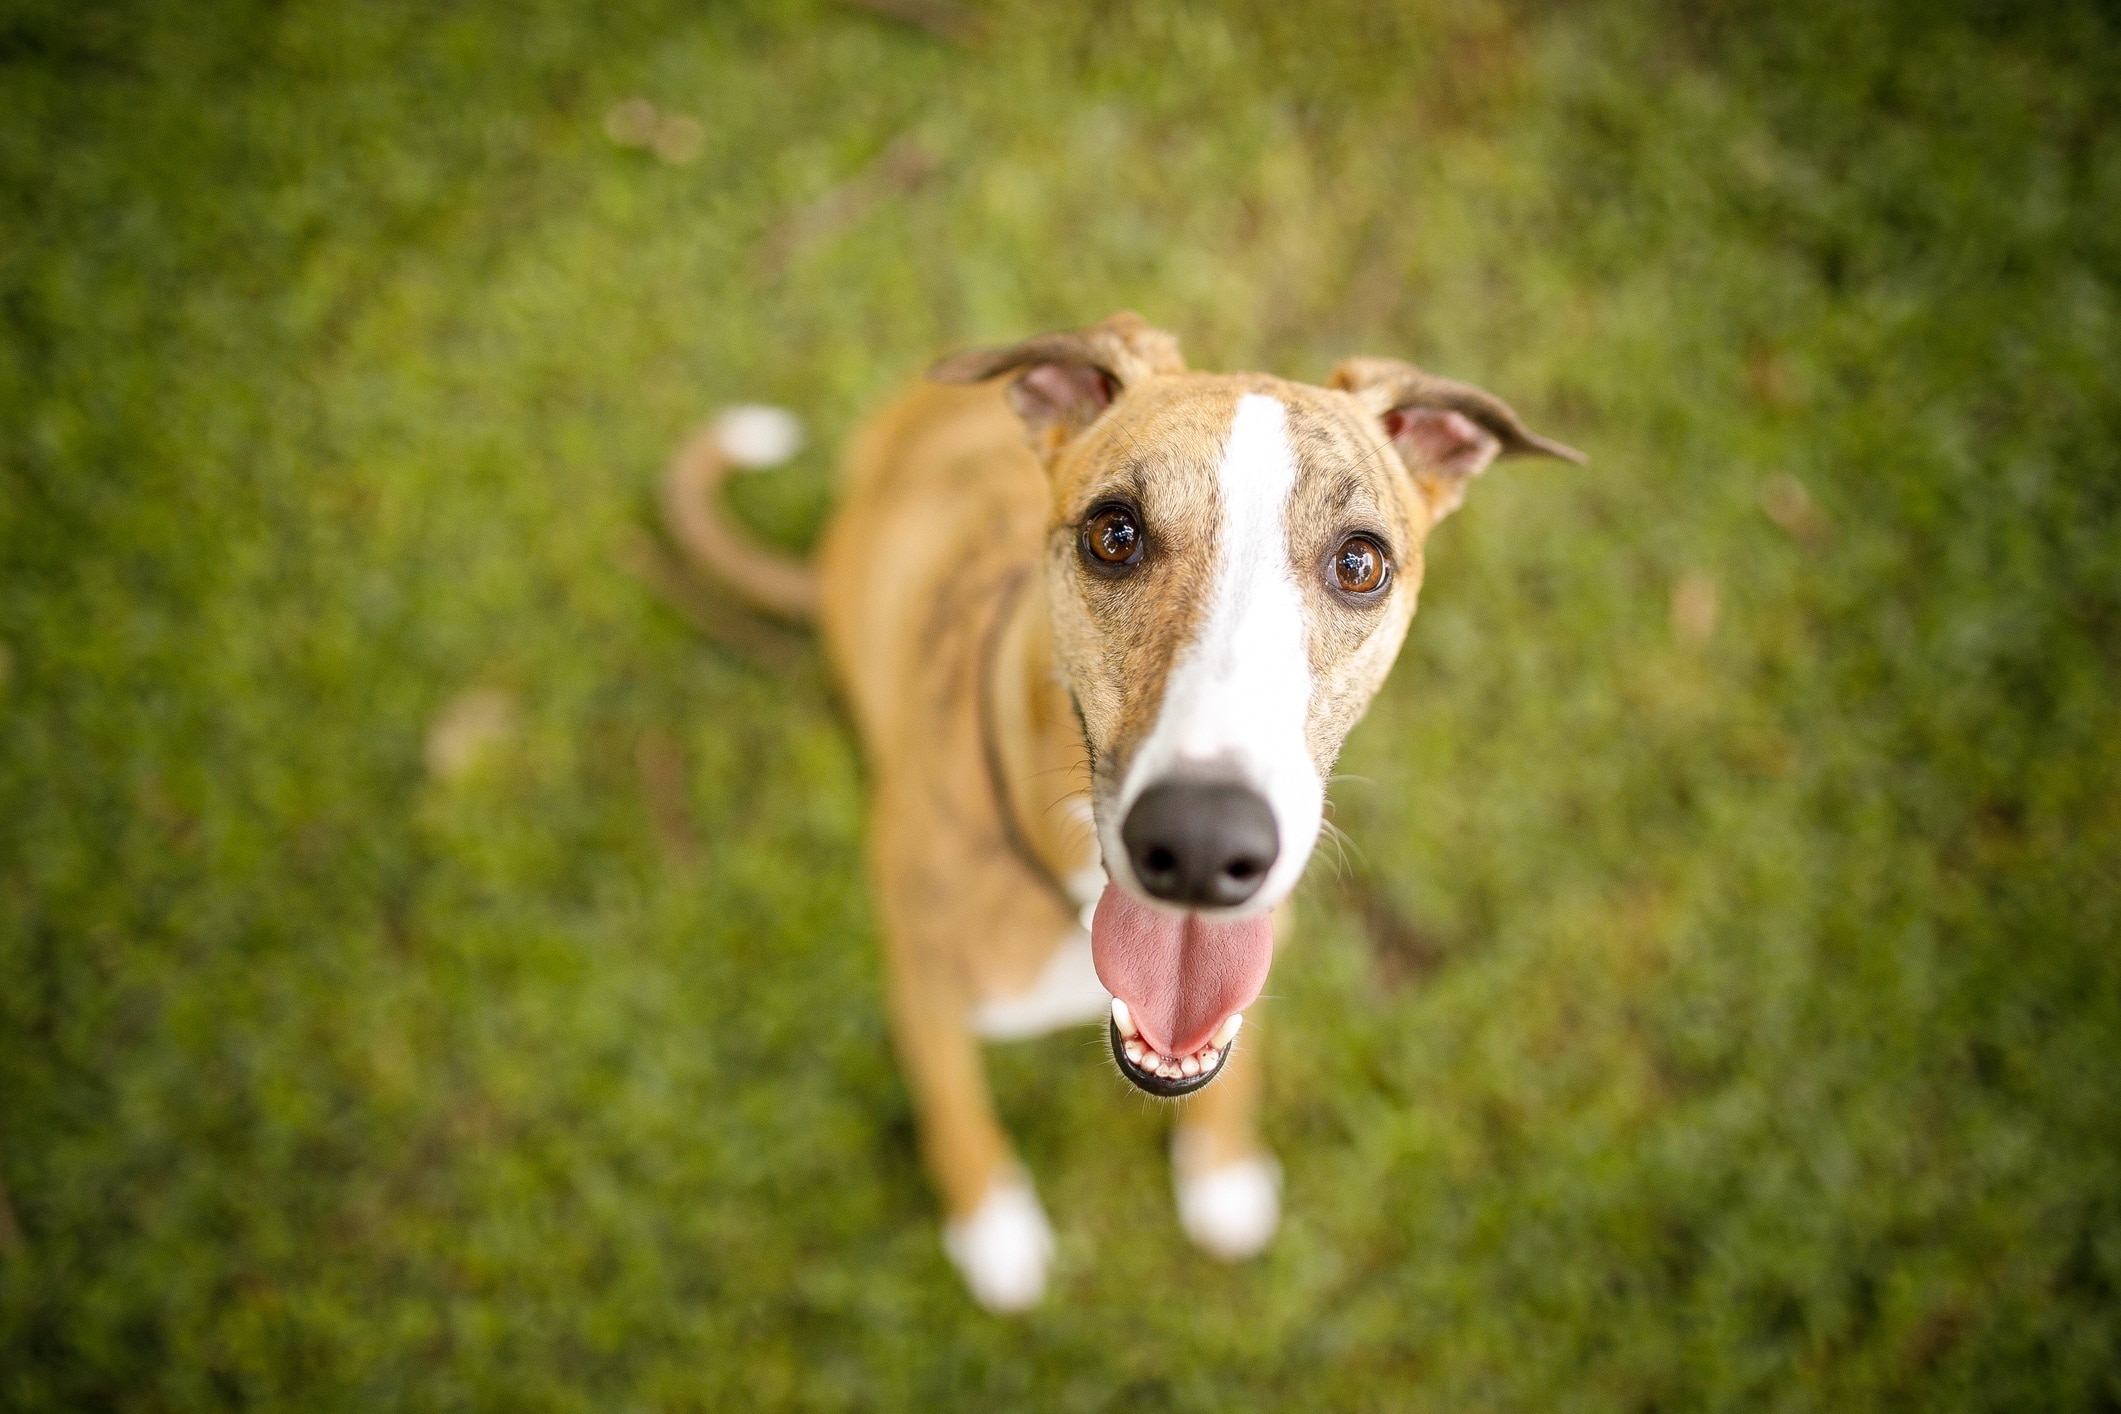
(1063, 391)
(1447, 441)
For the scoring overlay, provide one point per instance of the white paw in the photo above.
(756, 436)
(1004, 1247)
(1230, 1212)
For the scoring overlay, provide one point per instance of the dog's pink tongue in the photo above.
(1179, 974)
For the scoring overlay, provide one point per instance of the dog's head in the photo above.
(1231, 566)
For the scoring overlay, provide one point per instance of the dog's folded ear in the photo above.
(1065, 380)
(1445, 431)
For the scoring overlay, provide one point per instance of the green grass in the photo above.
(1722, 1007)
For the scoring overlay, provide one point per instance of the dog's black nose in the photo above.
(1202, 843)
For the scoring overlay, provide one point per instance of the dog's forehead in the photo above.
(1166, 440)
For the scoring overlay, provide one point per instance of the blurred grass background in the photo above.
(433, 977)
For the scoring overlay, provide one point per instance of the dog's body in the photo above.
(1129, 640)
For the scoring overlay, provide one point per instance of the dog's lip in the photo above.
(1163, 1087)
(1164, 1075)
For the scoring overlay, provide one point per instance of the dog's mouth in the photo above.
(1168, 1076)
(1180, 982)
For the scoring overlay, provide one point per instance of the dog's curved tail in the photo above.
(750, 437)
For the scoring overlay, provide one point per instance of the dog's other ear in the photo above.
(1445, 431)
(1064, 381)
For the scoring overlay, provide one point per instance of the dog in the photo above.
(1102, 624)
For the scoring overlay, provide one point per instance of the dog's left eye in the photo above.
(1113, 537)
(1359, 565)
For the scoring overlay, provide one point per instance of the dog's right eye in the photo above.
(1359, 567)
(1112, 537)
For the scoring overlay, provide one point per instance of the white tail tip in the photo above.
(757, 436)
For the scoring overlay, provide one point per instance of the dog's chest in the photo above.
(1066, 991)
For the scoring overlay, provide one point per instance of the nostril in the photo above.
(1160, 860)
(1243, 869)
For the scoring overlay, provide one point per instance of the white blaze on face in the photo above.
(1238, 697)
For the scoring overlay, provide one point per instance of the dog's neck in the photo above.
(1042, 768)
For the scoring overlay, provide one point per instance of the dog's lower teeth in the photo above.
(1123, 1019)
(1187, 1071)
(1227, 1032)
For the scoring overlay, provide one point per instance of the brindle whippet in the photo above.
(1101, 680)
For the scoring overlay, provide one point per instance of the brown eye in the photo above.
(1359, 565)
(1112, 537)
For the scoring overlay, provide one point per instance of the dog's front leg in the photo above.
(1227, 1182)
(995, 1232)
